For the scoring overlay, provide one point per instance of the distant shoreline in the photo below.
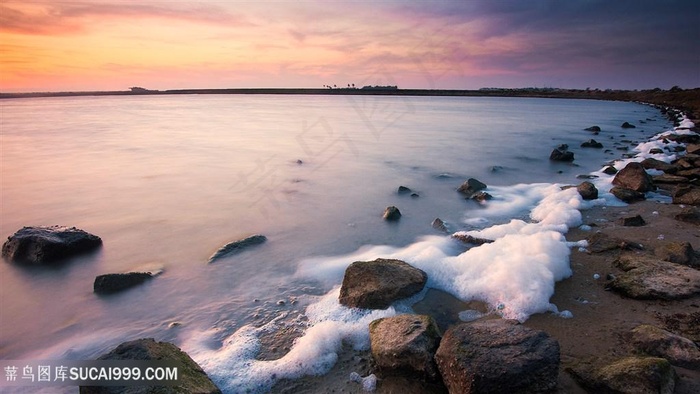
(686, 100)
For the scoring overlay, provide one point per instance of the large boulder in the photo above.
(471, 186)
(112, 283)
(378, 283)
(649, 278)
(191, 377)
(634, 177)
(587, 190)
(497, 356)
(405, 344)
(655, 341)
(235, 247)
(42, 245)
(687, 195)
(630, 375)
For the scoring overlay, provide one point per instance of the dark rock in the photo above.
(689, 215)
(668, 179)
(497, 356)
(471, 186)
(648, 278)
(391, 213)
(690, 173)
(376, 284)
(630, 375)
(481, 197)
(676, 252)
(693, 149)
(403, 190)
(112, 283)
(191, 377)
(237, 247)
(587, 190)
(587, 176)
(632, 221)
(657, 342)
(592, 144)
(468, 239)
(627, 195)
(684, 138)
(42, 245)
(688, 195)
(593, 128)
(405, 344)
(655, 151)
(610, 170)
(650, 163)
(438, 224)
(561, 153)
(415, 195)
(601, 242)
(634, 177)
(627, 125)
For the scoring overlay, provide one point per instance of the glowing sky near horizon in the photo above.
(57, 45)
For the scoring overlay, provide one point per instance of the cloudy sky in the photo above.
(59, 45)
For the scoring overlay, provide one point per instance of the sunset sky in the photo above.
(57, 45)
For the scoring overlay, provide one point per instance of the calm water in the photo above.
(165, 181)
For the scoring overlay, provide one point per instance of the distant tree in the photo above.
(335, 86)
(676, 88)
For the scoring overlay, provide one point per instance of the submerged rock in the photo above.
(42, 245)
(610, 170)
(592, 144)
(237, 247)
(405, 344)
(471, 186)
(630, 375)
(648, 278)
(634, 177)
(403, 190)
(628, 125)
(593, 128)
(378, 283)
(561, 153)
(440, 225)
(391, 213)
(497, 356)
(657, 342)
(191, 377)
(468, 239)
(112, 283)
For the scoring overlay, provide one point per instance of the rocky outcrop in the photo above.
(378, 283)
(634, 177)
(43, 245)
(647, 277)
(562, 153)
(627, 195)
(592, 144)
(391, 213)
(630, 375)
(471, 187)
(191, 377)
(628, 125)
(657, 342)
(676, 252)
(235, 247)
(497, 356)
(587, 190)
(112, 283)
(405, 344)
(687, 195)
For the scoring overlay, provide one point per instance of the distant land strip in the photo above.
(687, 100)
